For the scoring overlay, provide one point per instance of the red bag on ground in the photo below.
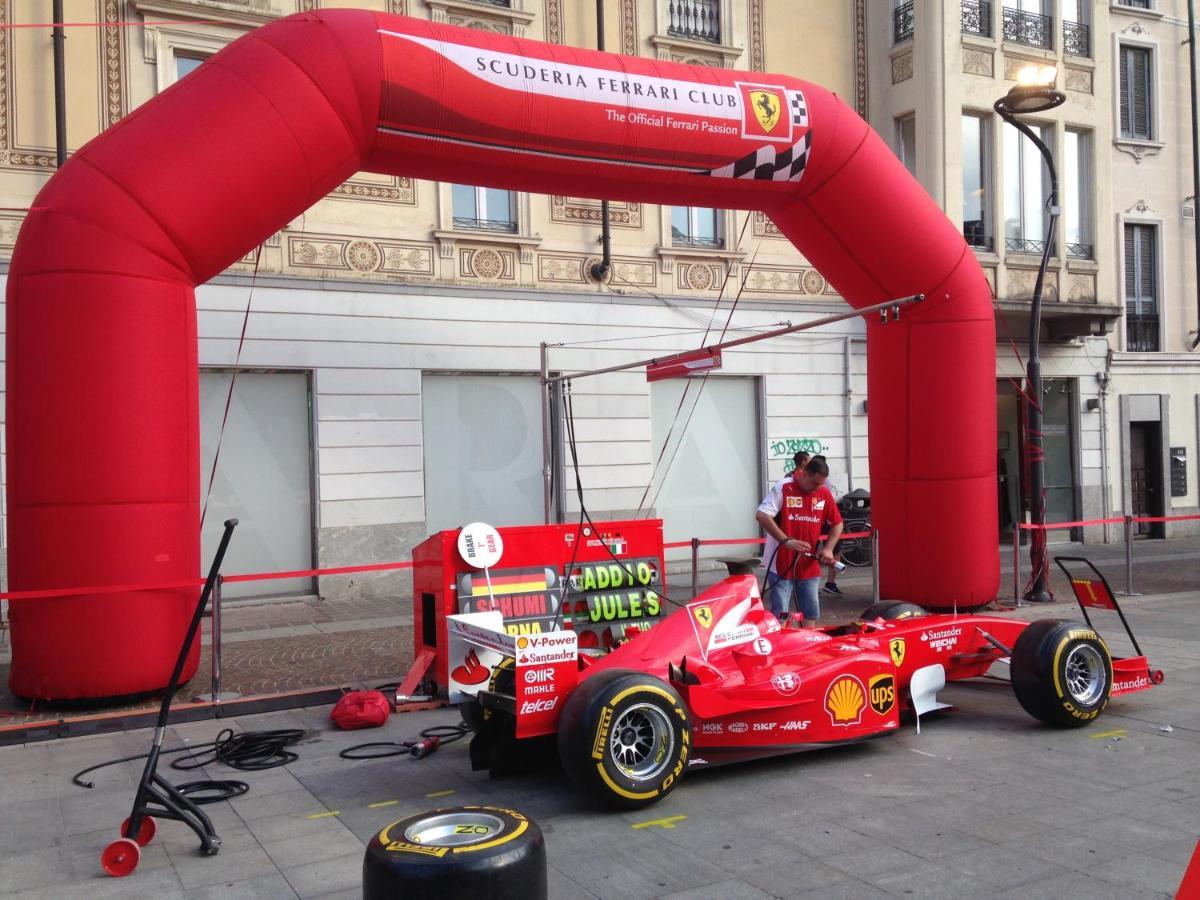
(361, 709)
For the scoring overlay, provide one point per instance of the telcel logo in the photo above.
(536, 676)
(536, 706)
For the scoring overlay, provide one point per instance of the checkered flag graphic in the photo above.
(767, 163)
(799, 109)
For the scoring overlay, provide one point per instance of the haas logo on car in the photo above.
(845, 701)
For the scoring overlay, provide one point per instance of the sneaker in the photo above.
(832, 588)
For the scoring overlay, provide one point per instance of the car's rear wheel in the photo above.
(1061, 672)
(892, 609)
(625, 737)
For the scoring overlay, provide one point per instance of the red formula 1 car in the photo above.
(721, 680)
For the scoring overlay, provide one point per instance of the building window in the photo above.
(187, 63)
(1137, 4)
(1026, 186)
(1077, 158)
(902, 21)
(695, 226)
(484, 209)
(1026, 22)
(906, 143)
(1077, 36)
(1137, 98)
(977, 203)
(1141, 288)
(697, 20)
(976, 17)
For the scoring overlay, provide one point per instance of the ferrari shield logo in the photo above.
(896, 648)
(703, 615)
(767, 107)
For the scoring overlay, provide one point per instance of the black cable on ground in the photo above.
(431, 739)
(247, 751)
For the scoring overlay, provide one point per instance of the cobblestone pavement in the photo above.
(309, 643)
(984, 802)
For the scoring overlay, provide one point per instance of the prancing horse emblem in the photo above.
(766, 109)
(896, 648)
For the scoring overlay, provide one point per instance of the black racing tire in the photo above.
(503, 680)
(625, 737)
(460, 853)
(1061, 672)
(889, 610)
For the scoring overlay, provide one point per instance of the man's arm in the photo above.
(770, 527)
(831, 544)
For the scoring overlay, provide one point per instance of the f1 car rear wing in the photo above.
(1093, 591)
(545, 669)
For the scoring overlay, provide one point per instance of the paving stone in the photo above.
(1075, 886)
(264, 887)
(311, 848)
(1141, 872)
(325, 876)
(730, 889)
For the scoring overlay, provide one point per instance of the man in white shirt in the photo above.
(771, 505)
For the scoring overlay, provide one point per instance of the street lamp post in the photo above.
(1035, 94)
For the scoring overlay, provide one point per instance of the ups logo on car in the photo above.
(881, 691)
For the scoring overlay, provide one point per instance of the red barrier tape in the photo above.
(1117, 520)
(198, 582)
(675, 544)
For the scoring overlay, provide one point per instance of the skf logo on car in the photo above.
(845, 701)
(882, 691)
(536, 706)
(738, 727)
(534, 676)
(786, 683)
(764, 726)
(896, 649)
(712, 728)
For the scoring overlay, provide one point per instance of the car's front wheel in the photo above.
(1061, 672)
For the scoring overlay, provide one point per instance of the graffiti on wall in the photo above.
(787, 447)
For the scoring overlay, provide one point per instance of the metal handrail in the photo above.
(1030, 29)
(1077, 39)
(977, 17)
(902, 23)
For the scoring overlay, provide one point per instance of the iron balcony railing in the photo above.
(679, 239)
(1080, 251)
(485, 224)
(1141, 333)
(496, 2)
(977, 17)
(697, 20)
(902, 23)
(1030, 29)
(1026, 245)
(1077, 39)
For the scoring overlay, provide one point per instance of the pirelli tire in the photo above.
(1061, 672)
(889, 610)
(503, 680)
(625, 737)
(461, 853)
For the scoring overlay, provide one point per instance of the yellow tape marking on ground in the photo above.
(325, 815)
(440, 794)
(1100, 735)
(382, 803)
(668, 822)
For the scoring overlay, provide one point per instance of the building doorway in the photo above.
(1145, 477)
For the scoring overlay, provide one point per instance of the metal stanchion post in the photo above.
(695, 566)
(1017, 565)
(1129, 556)
(874, 565)
(216, 696)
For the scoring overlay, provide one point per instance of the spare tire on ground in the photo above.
(460, 853)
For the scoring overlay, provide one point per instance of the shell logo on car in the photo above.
(845, 700)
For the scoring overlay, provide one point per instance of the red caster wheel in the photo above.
(121, 857)
(145, 834)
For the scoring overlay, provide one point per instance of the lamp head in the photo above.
(1034, 92)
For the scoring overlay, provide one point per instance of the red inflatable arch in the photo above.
(103, 473)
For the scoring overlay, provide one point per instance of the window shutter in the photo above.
(1130, 264)
(1146, 291)
(1140, 88)
(1126, 62)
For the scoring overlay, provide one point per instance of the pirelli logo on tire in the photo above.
(602, 728)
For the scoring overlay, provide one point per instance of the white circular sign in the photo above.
(480, 545)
